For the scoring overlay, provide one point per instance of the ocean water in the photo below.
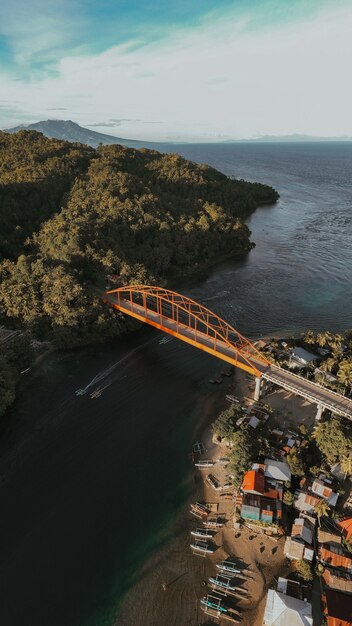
(90, 487)
(300, 273)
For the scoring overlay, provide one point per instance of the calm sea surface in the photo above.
(89, 487)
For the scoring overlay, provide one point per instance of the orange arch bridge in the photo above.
(189, 321)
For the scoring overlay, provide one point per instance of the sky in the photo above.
(207, 70)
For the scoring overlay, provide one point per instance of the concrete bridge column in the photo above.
(258, 384)
(320, 410)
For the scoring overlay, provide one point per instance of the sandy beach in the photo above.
(172, 582)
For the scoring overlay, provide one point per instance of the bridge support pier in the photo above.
(320, 410)
(258, 385)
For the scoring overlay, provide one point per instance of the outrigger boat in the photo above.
(214, 606)
(202, 548)
(223, 584)
(213, 482)
(199, 510)
(214, 523)
(224, 460)
(204, 463)
(203, 533)
(228, 566)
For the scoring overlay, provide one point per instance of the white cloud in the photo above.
(214, 81)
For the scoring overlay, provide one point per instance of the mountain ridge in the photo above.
(67, 130)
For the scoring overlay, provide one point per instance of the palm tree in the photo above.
(324, 338)
(336, 342)
(344, 374)
(328, 365)
(346, 465)
(309, 337)
(321, 509)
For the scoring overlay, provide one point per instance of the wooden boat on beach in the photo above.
(204, 464)
(202, 533)
(214, 523)
(214, 605)
(202, 548)
(199, 510)
(213, 482)
(225, 583)
(228, 566)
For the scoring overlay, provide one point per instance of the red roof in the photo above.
(346, 527)
(335, 560)
(254, 481)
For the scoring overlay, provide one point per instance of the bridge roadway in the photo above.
(324, 398)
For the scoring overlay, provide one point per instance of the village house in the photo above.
(337, 608)
(284, 607)
(345, 525)
(300, 358)
(300, 544)
(322, 489)
(261, 496)
(304, 502)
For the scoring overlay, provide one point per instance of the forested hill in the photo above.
(71, 215)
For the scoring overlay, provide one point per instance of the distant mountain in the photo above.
(287, 139)
(70, 131)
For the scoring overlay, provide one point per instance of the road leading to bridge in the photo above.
(223, 349)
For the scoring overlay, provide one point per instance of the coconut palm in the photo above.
(328, 365)
(324, 338)
(336, 342)
(309, 337)
(321, 509)
(344, 373)
(346, 465)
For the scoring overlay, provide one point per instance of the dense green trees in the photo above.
(88, 213)
(71, 215)
(225, 425)
(244, 451)
(333, 438)
(35, 173)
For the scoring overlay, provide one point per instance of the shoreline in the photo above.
(185, 574)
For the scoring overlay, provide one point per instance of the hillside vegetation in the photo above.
(71, 215)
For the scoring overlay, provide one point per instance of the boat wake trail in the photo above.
(107, 375)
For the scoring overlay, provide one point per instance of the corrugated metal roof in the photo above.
(282, 610)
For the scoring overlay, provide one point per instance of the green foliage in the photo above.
(304, 570)
(333, 439)
(70, 215)
(321, 509)
(243, 453)
(288, 498)
(138, 213)
(224, 426)
(295, 461)
(35, 174)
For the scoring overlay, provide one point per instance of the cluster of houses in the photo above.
(324, 543)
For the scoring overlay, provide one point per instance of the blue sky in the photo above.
(184, 69)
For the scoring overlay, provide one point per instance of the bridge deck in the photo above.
(283, 378)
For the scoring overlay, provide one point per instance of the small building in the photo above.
(334, 580)
(334, 557)
(261, 498)
(279, 470)
(299, 545)
(345, 525)
(305, 502)
(282, 609)
(328, 536)
(321, 489)
(337, 608)
(301, 358)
